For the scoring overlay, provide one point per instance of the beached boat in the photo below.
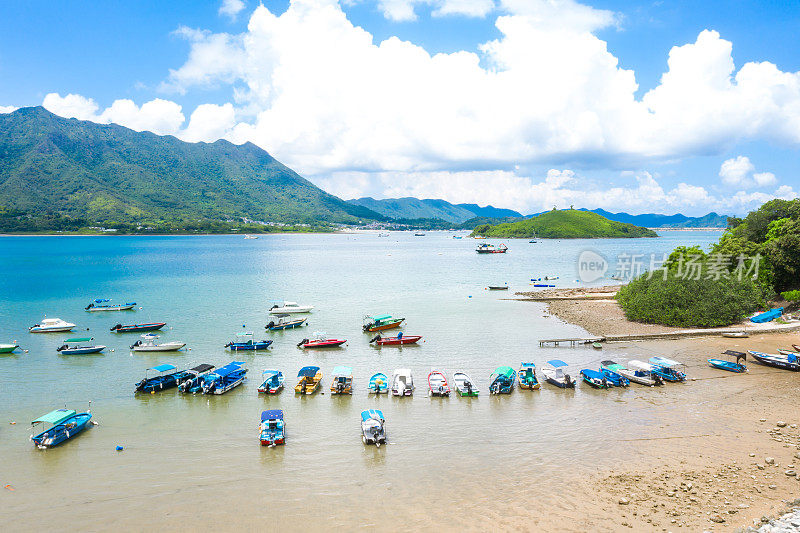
(502, 380)
(526, 376)
(272, 381)
(769, 316)
(668, 369)
(787, 352)
(399, 340)
(594, 378)
(554, 373)
(373, 427)
(644, 374)
(321, 340)
(736, 334)
(102, 304)
(8, 348)
(285, 322)
(437, 384)
(288, 308)
(310, 378)
(486, 248)
(498, 287)
(796, 347)
(342, 380)
(62, 424)
(159, 378)
(138, 328)
(192, 381)
(616, 374)
(402, 382)
(464, 385)
(786, 362)
(273, 429)
(542, 285)
(730, 366)
(79, 346)
(225, 378)
(52, 325)
(247, 342)
(378, 384)
(380, 323)
(148, 343)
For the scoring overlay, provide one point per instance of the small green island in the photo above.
(564, 224)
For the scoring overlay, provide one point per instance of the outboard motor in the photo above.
(468, 385)
(89, 306)
(64, 347)
(568, 381)
(271, 324)
(115, 328)
(376, 339)
(273, 307)
(302, 342)
(605, 383)
(340, 387)
(657, 379)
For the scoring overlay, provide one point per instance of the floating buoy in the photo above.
(112, 349)
(13, 423)
(152, 392)
(119, 448)
(9, 487)
(470, 296)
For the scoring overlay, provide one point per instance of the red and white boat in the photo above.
(437, 384)
(321, 340)
(399, 340)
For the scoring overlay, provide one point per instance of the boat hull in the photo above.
(236, 347)
(727, 365)
(65, 430)
(83, 351)
(394, 341)
(335, 343)
(383, 327)
(288, 325)
(166, 347)
(127, 307)
(138, 328)
(51, 329)
(766, 359)
(8, 348)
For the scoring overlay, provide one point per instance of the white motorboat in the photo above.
(464, 384)
(402, 382)
(51, 325)
(642, 373)
(289, 308)
(373, 427)
(148, 344)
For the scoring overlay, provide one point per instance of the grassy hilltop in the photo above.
(564, 224)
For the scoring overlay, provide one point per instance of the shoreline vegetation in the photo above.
(564, 224)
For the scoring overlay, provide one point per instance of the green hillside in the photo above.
(107, 174)
(565, 224)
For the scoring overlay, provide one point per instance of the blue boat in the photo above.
(729, 365)
(378, 384)
(502, 380)
(786, 362)
(244, 341)
(273, 428)
(273, 382)
(611, 370)
(285, 322)
(101, 304)
(193, 379)
(79, 346)
(770, 315)
(667, 369)
(594, 378)
(63, 425)
(224, 379)
(373, 427)
(165, 377)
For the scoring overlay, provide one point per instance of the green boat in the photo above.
(381, 322)
(502, 380)
(8, 348)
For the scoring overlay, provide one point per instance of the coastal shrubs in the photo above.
(564, 224)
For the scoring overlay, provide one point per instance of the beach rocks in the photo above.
(781, 424)
(769, 460)
(716, 518)
(791, 473)
(624, 501)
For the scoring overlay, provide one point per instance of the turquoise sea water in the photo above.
(189, 452)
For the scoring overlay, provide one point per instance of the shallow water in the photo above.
(185, 454)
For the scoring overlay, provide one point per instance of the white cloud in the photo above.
(71, 106)
(210, 122)
(231, 8)
(740, 172)
(404, 10)
(7, 109)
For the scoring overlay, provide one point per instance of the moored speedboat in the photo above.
(342, 380)
(321, 340)
(498, 287)
(79, 346)
(526, 376)
(64, 424)
(437, 384)
(486, 248)
(273, 429)
(193, 378)
(159, 378)
(786, 362)
(398, 340)
(52, 325)
(616, 374)
(668, 369)
(272, 382)
(138, 328)
(554, 373)
(373, 427)
(378, 384)
(285, 322)
(594, 378)
(402, 382)
(644, 374)
(101, 304)
(246, 342)
(286, 308)
(310, 378)
(502, 380)
(464, 384)
(381, 323)
(223, 379)
(148, 344)
(730, 366)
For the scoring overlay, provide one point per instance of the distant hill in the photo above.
(414, 208)
(107, 173)
(711, 220)
(564, 224)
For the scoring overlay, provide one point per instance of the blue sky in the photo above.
(270, 83)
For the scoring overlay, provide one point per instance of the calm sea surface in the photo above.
(195, 460)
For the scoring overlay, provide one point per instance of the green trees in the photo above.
(564, 224)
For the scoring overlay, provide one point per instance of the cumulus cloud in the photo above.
(740, 172)
(404, 10)
(231, 8)
(7, 109)
(71, 106)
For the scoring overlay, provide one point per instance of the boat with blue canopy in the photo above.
(378, 384)
(159, 378)
(594, 378)
(668, 369)
(342, 380)
(730, 366)
(373, 427)
(273, 428)
(285, 321)
(310, 378)
(225, 378)
(246, 342)
(527, 377)
(272, 381)
(193, 380)
(554, 372)
(80, 346)
(769, 316)
(62, 424)
(502, 380)
(102, 304)
(787, 362)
